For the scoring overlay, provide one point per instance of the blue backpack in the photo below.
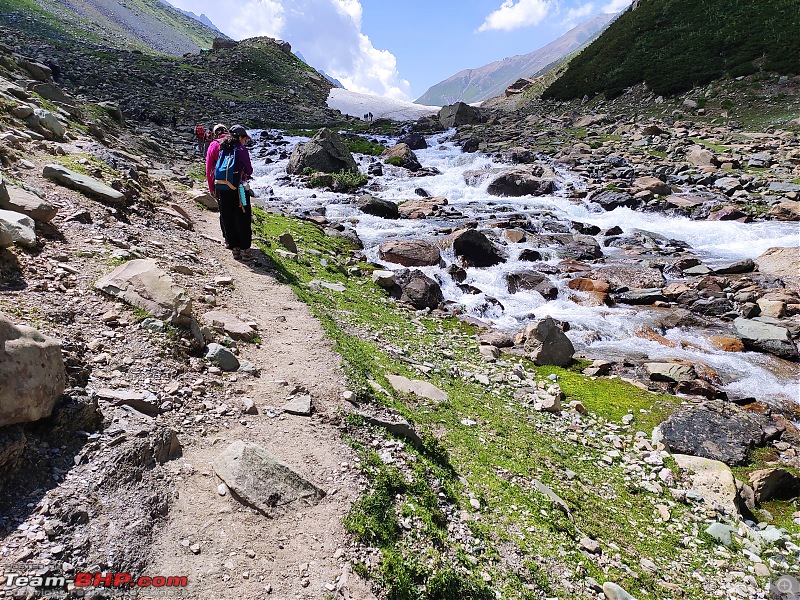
(225, 175)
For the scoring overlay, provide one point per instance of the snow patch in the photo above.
(357, 105)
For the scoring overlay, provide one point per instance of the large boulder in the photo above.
(631, 277)
(781, 262)
(378, 207)
(142, 284)
(788, 210)
(21, 201)
(83, 183)
(325, 152)
(546, 344)
(403, 155)
(714, 430)
(712, 479)
(531, 280)
(262, 481)
(414, 140)
(474, 248)
(609, 199)
(459, 113)
(519, 182)
(417, 289)
(700, 156)
(32, 373)
(410, 253)
(16, 228)
(46, 123)
(765, 337)
(421, 208)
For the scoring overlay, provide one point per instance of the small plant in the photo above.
(359, 145)
(395, 160)
(350, 179)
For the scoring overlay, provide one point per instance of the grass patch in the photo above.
(358, 145)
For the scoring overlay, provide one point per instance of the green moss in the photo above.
(395, 160)
(358, 145)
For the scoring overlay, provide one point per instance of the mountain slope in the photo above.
(674, 45)
(475, 85)
(201, 17)
(145, 25)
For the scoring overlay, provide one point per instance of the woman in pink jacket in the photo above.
(219, 131)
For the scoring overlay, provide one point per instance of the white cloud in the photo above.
(326, 32)
(615, 6)
(513, 15)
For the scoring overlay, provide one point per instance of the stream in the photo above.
(596, 331)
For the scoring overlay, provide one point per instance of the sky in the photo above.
(400, 48)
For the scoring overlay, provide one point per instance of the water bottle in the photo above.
(242, 195)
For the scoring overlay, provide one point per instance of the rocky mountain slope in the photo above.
(482, 83)
(675, 45)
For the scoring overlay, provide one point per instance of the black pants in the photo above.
(235, 220)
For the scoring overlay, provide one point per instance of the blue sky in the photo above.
(399, 48)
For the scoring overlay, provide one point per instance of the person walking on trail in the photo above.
(219, 131)
(235, 216)
(200, 133)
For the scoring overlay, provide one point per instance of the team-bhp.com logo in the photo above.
(119, 581)
(785, 587)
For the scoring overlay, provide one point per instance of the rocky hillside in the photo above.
(675, 45)
(476, 85)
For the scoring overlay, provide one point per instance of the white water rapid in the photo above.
(597, 331)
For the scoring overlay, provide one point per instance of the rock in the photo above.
(82, 183)
(721, 533)
(417, 289)
(32, 376)
(742, 266)
(777, 484)
(596, 289)
(609, 200)
(410, 253)
(457, 114)
(384, 279)
(300, 405)
(641, 296)
(546, 344)
(700, 156)
(262, 481)
(16, 228)
(670, 372)
(712, 479)
(422, 208)
(654, 185)
(204, 199)
(47, 123)
(714, 430)
(631, 277)
(781, 262)
(614, 592)
(423, 389)
(396, 425)
(142, 284)
(141, 401)
(764, 337)
(415, 141)
(378, 207)
(474, 248)
(519, 182)
(18, 200)
(235, 328)
(326, 152)
(403, 156)
(287, 241)
(222, 357)
(590, 545)
(531, 281)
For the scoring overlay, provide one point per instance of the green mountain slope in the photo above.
(674, 45)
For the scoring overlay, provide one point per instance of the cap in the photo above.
(238, 130)
(219, 128)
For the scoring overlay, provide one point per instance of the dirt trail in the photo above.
(243, 554)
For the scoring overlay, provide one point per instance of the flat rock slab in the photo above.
(711, 479)
(423, 389)
(396, 425)
(136, 400)
(261, 480)
(16, 228)
(142, 284)
(299, 405)
(235, 328)
(22, 201)
(83, 183)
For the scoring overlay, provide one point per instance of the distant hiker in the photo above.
(219, 131)
(200, 133)
(208, 138)
(231, 170)
(174, 122)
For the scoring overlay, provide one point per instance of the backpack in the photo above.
(225, 175)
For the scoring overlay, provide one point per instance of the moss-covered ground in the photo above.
(464, 516)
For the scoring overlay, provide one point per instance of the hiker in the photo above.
(200, 133)
(235, 217)
(219, 131)
(207, 139)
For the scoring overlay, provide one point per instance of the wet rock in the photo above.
(545, 343)
(766, 338)
(142, 284)
(87, 185)
(410, 253)
(596, 289)
(640, 296)
(415, 141)
(609, 200)
(378, 207)
(631, 277)
(474, 248)
(421, 209)
(714, 430)
(326, 152)
(531, 280)
(31, 373)
(402, 154)
(519, 182)
(262, 481)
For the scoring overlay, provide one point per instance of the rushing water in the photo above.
(596, 331)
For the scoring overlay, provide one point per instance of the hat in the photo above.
(238, 130)
(219, 128)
